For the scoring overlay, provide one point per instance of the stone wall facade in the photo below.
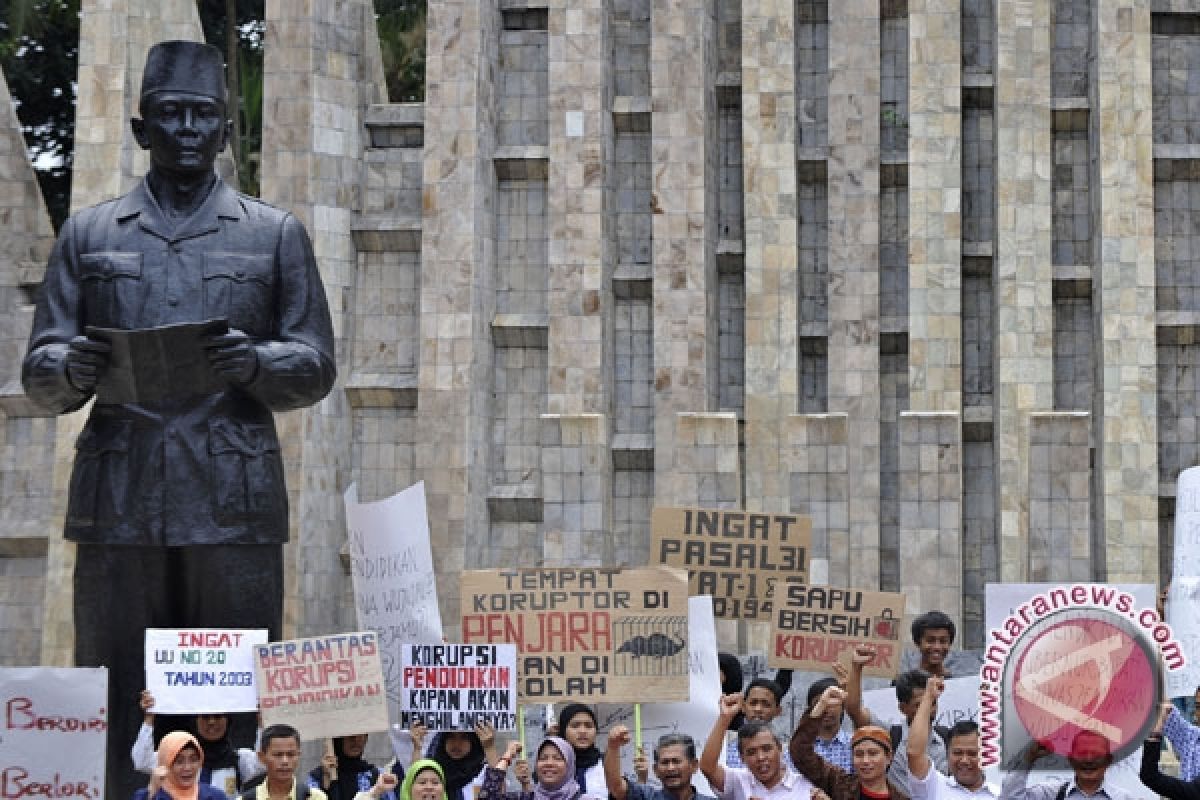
(921, 269)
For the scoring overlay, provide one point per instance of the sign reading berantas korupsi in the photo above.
(738, 557)
(585, 633)
(323, 686)
(815, 626)
(454, 687)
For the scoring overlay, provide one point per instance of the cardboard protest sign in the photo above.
(453, 687)
(737, 557)
(192, 671)
(815, 626)
(585, 633)
(694, 717)
(391, 566)
(323, 686)
(55, 728)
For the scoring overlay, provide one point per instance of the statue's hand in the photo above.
(86, 361)
(232, 355)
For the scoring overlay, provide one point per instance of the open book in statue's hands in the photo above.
(154, 364)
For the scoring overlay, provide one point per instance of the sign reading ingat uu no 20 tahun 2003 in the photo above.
(585, 633)
(738, 557)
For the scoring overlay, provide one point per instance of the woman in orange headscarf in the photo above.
(177, 776)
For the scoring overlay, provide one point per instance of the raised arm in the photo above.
(493, 778)
(834, 780)
(862, 656)
(710, 759)
(918, 735)
(618, 737)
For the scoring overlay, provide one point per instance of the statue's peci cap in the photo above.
(179, 66)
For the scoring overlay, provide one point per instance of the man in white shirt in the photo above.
(765, 776)
(1090, 758)
(965, 780)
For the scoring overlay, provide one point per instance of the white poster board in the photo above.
(196, 670)
(959, 701)
(1183, 601)
(55, 727)
(1002, 600)
(454, 687)
(391, 566)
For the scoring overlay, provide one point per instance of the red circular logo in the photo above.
(1086, 670)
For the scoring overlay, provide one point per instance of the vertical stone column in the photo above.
(935, 206)
(853, 170)
(930, 560)
(316, 89)
(26, 436)
(931, 511)
(683, 157)
(457, 296)
(1024, 312)
(575, 490)
(580, 231)
(816, 457)
(1125, 410)
(114, 38)
(769, 180)
(1059, 497)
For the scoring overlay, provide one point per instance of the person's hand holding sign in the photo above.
(387, 783)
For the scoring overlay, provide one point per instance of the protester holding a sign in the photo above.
(226, 767)
(1151, 775)
(767, 776)
(675, 765)
(344, 772)
(463, 757)
(577, 724)
(872, 749)
(1090, 757)
(554, 768)
(966, 780)
(177, 776)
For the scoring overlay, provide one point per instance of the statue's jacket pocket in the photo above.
(247, 470)
(239, 288)
(100, 479)
(111, 286)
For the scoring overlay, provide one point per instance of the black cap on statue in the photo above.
(180, 66)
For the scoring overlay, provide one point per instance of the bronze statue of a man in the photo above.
(177, 499)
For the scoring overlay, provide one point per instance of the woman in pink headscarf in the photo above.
(177, 776)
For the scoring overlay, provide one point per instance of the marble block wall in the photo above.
(1059, 497)
(931, 495)
(816, 456)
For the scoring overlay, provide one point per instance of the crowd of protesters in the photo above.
(839, 750)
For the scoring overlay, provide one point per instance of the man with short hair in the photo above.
(765, 776)
(761, 702)
(965, 780)
(910, 688)
(933, 633)
(833, 741)
(675, 764)
(279, 752)
(1090, 758)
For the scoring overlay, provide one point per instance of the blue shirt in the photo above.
(836, 750)
(1183, 737)
(644, 791)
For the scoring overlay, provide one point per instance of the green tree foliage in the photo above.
(39, 53)
(402, 40)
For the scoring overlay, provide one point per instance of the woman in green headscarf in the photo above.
(424, 780)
